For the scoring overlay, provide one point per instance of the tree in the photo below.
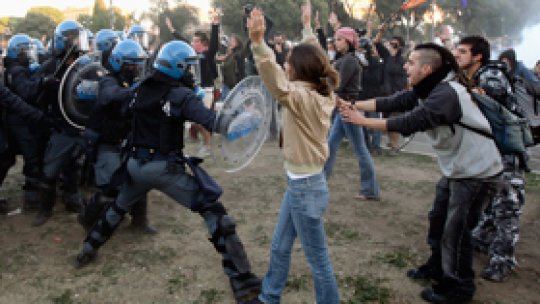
(100, 18)
(35, 25)
(56, 15)
(184, 19)
(285, 16)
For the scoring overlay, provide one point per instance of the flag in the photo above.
(464, 3)
(411, 4)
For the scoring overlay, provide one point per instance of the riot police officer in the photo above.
(139, 34)
(13, 103)
(21, 54)
(64, 146)
(108, 127)
(161, 105)
(105, 41)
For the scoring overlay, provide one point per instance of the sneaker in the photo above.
(204, 151)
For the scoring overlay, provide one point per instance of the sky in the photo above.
(529, 49)
(18, 8)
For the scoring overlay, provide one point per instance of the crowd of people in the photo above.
(344, 83)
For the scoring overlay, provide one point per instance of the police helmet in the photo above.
(139, 34)
(21, 48)
(69, 34)
(175, 58)
(105, 40)
(128, 58)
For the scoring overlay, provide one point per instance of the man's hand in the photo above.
(215, 16)
(256, 26)
(332, 19)
(350, 114)
(306, 14)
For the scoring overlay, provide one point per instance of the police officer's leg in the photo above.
(139, 217)
(71, 196)
(32, 168)
(7, 160)
(111, 218)
(57, 156)
(183, 188)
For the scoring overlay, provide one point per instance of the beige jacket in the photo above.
(305, 115)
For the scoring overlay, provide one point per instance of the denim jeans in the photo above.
(300, 215)
(369, 186)
(455, 212)
(373, 137)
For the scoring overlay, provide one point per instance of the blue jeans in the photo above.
(301, 214)
(369, 186)
(225, 90)
(373, 136)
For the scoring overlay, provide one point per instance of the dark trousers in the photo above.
(455, 212)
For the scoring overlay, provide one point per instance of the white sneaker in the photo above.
(204, 151)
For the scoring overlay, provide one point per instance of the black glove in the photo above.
(187, 79)
(50, 82)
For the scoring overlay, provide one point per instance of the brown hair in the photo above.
(310, 63)
(203, 37)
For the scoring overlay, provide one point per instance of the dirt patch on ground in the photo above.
(371, 243)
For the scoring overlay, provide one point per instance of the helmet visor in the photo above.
(194, 68)
(78, 39)
(142, 39)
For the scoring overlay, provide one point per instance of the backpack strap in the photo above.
(481, 132)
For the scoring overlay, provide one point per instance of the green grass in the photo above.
(400, 258)
(363, 289)
(298, 282)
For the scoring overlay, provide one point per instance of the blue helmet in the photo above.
(70, 33)
(105, 40)
(139, 34)
(17, 44)
(174, 59)
(127, 52)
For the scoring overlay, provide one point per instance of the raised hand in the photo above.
(215, 16)
(317, 21)
(306, 14)
(256, 26)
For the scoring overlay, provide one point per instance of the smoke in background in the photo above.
(528, 50)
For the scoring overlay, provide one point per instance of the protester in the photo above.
(470, 163)
(498, 230)
(395, 78)
(232, 65)
(304, 90)
(517, 68)
(350, 88)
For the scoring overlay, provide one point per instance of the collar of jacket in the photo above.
(424, 87)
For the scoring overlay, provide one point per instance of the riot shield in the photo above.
(250, 105)
(78, 89)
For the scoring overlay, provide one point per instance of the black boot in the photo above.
(246, 287)
(47, 196)
(31, 195)
(3, 206)
(139, 217)
(93, 208)
(72, 201)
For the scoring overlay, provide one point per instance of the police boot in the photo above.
(3, 206)
(139, 217)
(93, 208)
(246, 287)
(72, 201)
(47, 195)
(31, 195)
